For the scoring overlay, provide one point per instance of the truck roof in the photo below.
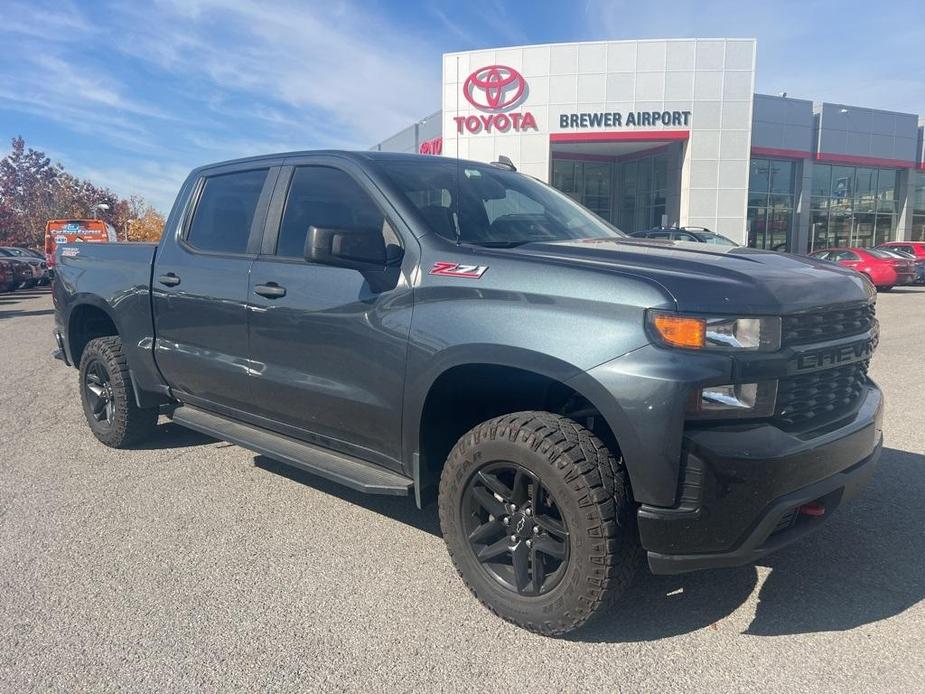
(368, 155)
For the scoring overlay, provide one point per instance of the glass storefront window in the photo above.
(886, 191)
(822, 177)
(918, 207)
(852, 206)
(770, 203)
(587, 182)
(643, 192)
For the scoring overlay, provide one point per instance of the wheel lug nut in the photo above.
(513, 538)
(490, 518)
(529, 543)
(528, 512)
(536, 530)
(505, 520)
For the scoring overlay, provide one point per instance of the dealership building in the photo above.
(671, 132)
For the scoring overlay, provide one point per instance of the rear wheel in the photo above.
(108, 397)
(536, 514)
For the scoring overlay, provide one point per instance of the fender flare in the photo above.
(418, 389)
(78, 301)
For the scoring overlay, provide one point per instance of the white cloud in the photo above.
(362, 74)
(153, 90)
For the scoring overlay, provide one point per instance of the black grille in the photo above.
(819, 326)
(814, 399)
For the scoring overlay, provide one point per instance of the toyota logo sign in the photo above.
(494, 88)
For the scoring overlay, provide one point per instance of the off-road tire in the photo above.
(130, 423)
(591, 489)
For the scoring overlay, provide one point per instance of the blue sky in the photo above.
(133, 95)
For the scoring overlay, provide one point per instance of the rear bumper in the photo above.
(743, 487)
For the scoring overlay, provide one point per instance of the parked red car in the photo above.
(913, 248)
(883, 270)
(916, 248)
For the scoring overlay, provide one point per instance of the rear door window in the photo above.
(225, 212)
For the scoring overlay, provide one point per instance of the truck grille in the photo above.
(817, 398)
(818, 326)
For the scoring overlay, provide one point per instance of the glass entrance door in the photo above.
(587, 182)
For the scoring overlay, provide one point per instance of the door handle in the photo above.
(271, 290)
(169, 280)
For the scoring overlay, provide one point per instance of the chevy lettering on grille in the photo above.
(835, 356)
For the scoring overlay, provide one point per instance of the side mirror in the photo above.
(359, 249)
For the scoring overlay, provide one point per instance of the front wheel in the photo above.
(536, 514)
(108, 397)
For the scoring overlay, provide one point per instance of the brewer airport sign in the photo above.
(628, 119)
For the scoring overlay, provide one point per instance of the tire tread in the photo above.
(600, 481)
(132, 423)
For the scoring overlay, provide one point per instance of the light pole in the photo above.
(99, 206)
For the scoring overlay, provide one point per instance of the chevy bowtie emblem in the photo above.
(447, 269)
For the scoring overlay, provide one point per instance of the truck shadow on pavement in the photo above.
(865, 565)
(400, 508)
(170, 435)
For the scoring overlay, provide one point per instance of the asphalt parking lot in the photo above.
(192, 564)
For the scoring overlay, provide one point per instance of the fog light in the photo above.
(733, 400)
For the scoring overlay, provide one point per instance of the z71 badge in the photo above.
(472, 272)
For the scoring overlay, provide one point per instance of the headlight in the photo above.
(719, 333)
(735, 400)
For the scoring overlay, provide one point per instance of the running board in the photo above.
(338, 467)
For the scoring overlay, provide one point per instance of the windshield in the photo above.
(893, 252)
(485, 205)
(717, 240)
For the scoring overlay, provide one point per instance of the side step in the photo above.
(347, 470)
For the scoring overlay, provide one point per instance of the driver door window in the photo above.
(328, 199)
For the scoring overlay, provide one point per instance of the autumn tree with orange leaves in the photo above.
(34, 190)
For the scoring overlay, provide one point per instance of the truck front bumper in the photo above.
(748, 490)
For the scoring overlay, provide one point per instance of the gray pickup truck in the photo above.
(572, 399)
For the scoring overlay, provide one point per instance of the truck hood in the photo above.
(723, 279)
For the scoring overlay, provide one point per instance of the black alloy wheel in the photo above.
(98, 387)
(515, 529)
(108, 397)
